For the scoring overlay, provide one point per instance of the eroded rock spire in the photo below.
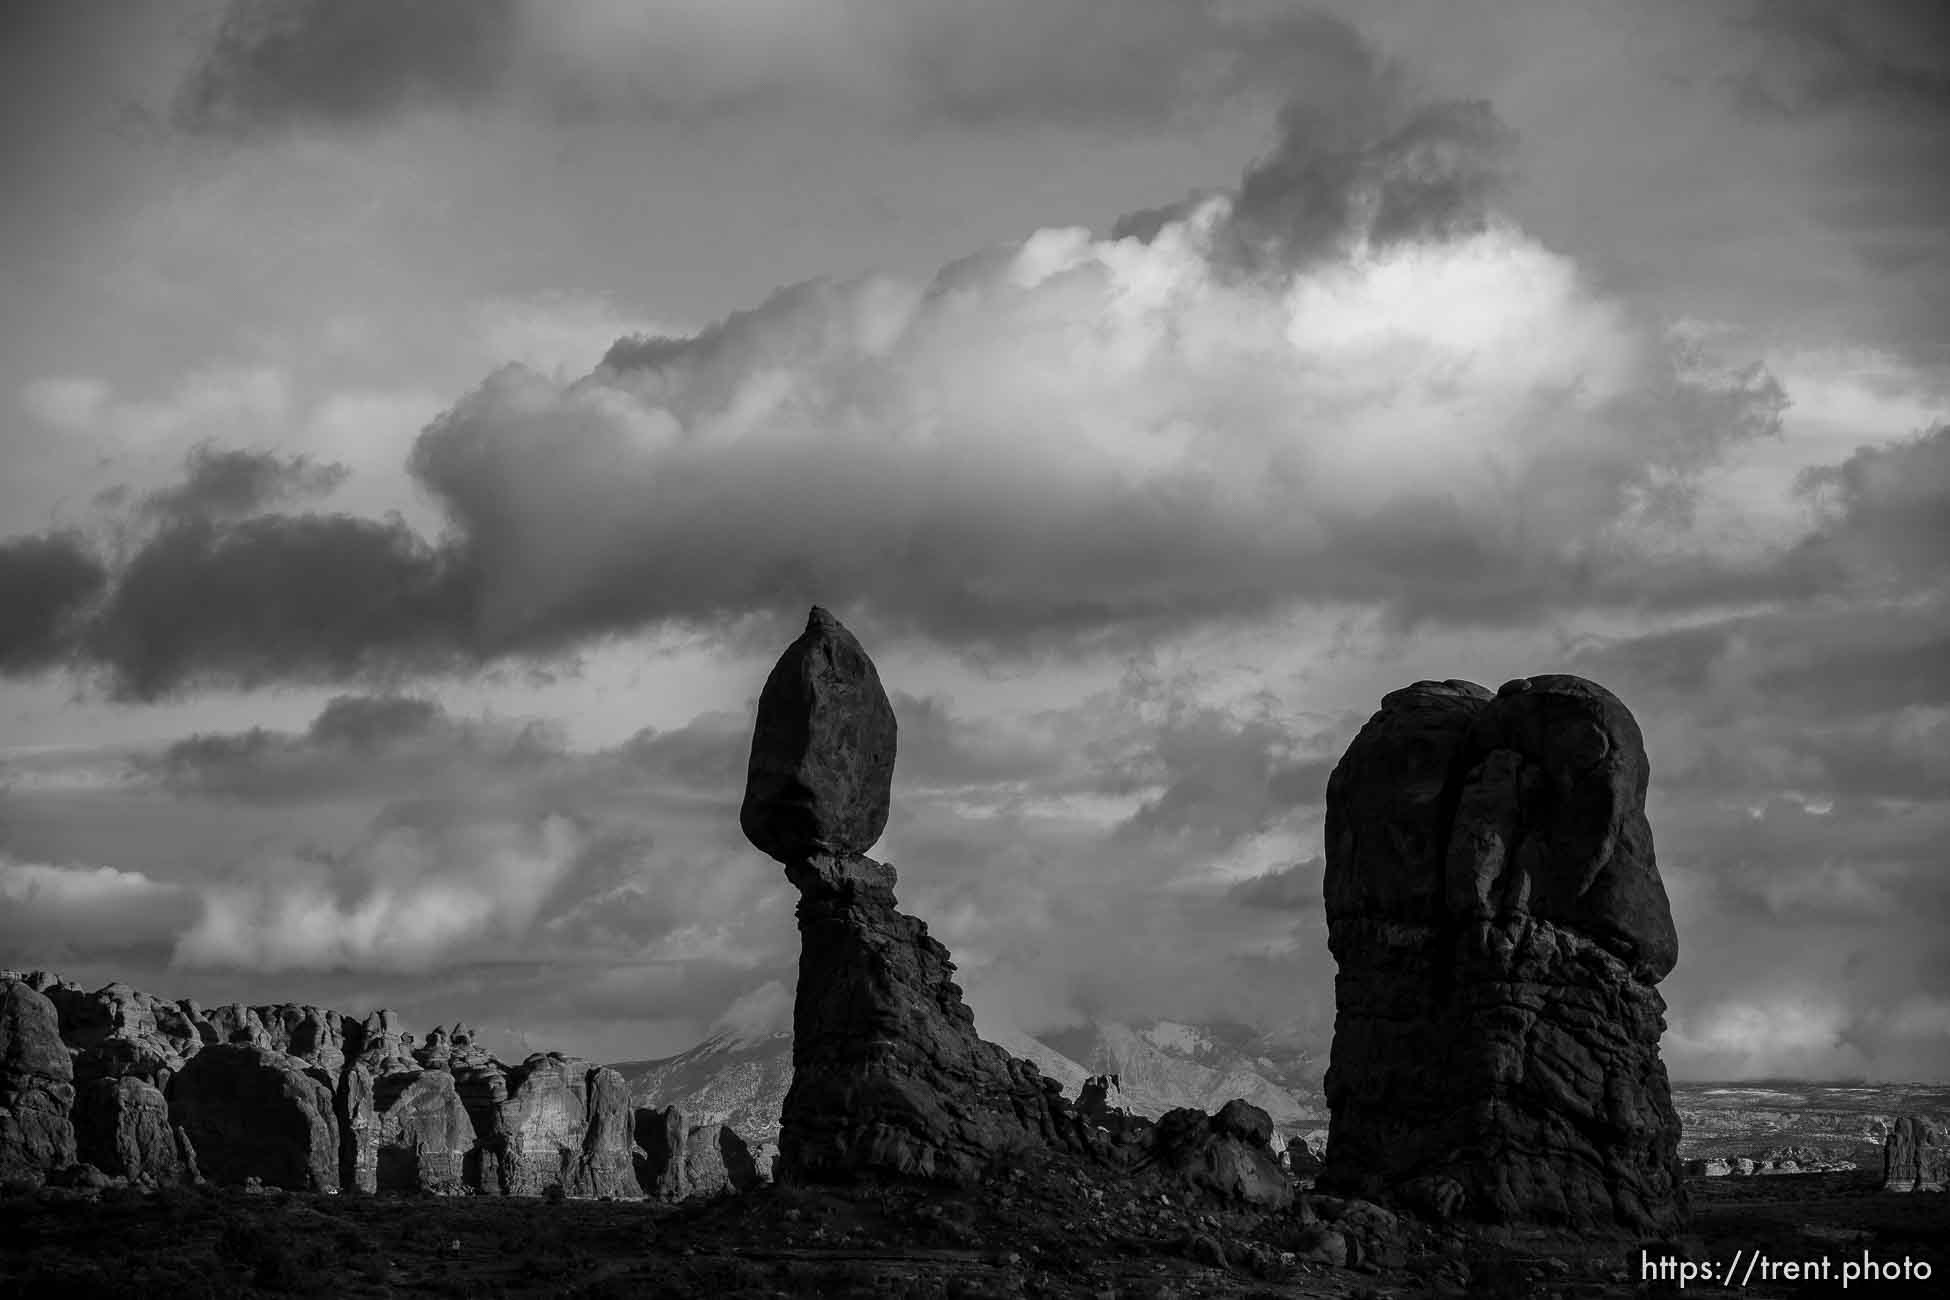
(1496, 910)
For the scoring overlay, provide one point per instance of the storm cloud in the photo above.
(352, 63)
(231, 483)
(46, 581)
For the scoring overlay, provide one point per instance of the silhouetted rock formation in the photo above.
(889, 1075)
(822, 762)
(36, 1086)
(1499, 922)
(680, 1160)
(1916, 1157)
(1227, 1156)
(253, 1112)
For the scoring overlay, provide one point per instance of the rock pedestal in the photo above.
(889, 1075)
(1496, 911)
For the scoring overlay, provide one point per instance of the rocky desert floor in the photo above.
(1035, 1234)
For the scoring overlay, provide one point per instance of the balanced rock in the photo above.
(889, 1076)
(252, 1112)
(1497, 914)
(680, 1160)
(122, 1127)
(1916, 1156)
(822, 760)
(36, 1087)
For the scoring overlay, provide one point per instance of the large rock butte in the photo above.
(1497, 915)
(889, 1075)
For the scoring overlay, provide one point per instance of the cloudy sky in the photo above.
(425, 422)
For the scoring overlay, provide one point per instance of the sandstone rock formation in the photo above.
(889, 1075)
(420, 1133)
(122, 1127)
(1226, 1156)
(1916, 1157)
(680, 1160)
(606, 1165)
(253, 1112)
(1496, 911)
(295, 1096)
(36, 1086)
(822, 762)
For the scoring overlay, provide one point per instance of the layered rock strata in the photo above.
(1495, 907)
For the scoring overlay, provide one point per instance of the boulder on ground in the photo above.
(1225, 1157)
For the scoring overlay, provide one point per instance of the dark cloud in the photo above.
(1863, 89)
(1072, 62)
(223, 484)
(46, 582)
(360, 746)
(1338, 175)
(302, 597)
(1222, 780)
(1875, 54)
(1068, 443)
(1290, 889)
(1886, 512)
(276, 62)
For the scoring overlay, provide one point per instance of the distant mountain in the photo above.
(1165, 1064)
(730, 1078)
(739, 1074)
